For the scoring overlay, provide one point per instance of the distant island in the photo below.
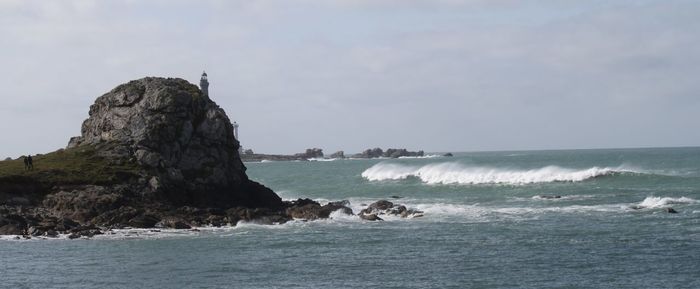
(153, 153)
(317, 153)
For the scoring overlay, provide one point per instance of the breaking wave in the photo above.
(455, 173)
(661, 202)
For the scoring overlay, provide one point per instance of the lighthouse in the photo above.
(204, 83)
(235, 130)
(204, 86)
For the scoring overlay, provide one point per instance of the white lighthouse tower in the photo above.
(204, 86)
(235, 134)
(235, 130)
(204, 83)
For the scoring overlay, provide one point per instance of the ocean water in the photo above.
(487, 224)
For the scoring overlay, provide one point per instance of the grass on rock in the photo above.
(75, 166)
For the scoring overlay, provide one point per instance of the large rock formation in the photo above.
(181, 138)
(154, 152)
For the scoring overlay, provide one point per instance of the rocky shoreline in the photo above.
(41, 221)
(154, 153)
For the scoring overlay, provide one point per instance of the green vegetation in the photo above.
(76, 166)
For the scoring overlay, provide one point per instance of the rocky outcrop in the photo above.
(154, 153)
(384, 207)
(389, 153)
(181, 138)
(338, 155)
(149, 147)
(311, 154)
(397, 153)
(370, 154)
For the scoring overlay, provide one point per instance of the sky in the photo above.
(440, 75)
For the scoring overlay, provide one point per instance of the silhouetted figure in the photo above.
(26, 163)
(30, 162)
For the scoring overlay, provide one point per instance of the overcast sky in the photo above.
(348, 75)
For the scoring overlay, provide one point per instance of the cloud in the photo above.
(433, 75)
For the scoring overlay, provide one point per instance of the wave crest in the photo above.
(661, 202)
(455, 173)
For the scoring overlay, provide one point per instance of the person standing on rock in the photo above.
(26, 163)
(30, 163)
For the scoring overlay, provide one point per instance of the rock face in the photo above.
(183, 140)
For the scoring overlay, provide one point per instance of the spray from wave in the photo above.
(661, 202)
(455, 173)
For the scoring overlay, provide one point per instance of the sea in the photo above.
(517, 219)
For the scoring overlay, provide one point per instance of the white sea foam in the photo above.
(455, 173)
(322, 159)
(661, 202)
(558, 197)
(421, 157)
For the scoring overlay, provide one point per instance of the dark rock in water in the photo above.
(549, 197)
(338, 155)
(34, 231)
(671, 211)
(384, 207)
(397, 153)
(311, 154)
(84, 231)
(448, 155)
(342, 206)
(389, 153)
(176, 223)
(370, 217)
(381, 205)
(310, 210)
(396, 197)
(370, 153)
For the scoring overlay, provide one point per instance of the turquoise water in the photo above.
(486, 225)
